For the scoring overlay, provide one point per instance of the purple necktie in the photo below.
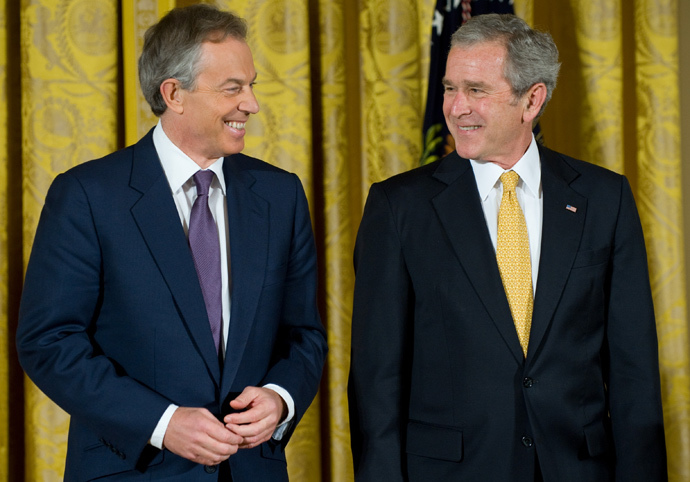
(203, 241)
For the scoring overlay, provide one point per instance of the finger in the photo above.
(195, 434)
(248, 396)
(251, 429)
(252, 415)
(251, 442)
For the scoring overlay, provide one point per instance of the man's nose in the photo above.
(249, 104)
(460, 104)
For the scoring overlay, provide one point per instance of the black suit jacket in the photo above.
(439, 388)
(113, 325)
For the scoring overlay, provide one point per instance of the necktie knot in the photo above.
(203, 180)
(510, 180)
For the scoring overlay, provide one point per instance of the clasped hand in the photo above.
(197, 435)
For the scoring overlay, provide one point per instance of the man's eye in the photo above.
(475, 92)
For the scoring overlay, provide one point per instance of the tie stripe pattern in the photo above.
(513, 256)
(205, 246)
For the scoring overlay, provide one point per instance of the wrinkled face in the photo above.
(214, 113)
(487, 122)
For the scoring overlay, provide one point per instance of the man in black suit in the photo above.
(173, 283)
(492, 345)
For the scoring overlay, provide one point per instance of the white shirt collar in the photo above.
(528, 168)
(177, 165)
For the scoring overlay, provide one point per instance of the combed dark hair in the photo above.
(172, 47)
(532, 55)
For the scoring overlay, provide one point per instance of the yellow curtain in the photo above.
(657, 136)
(341, 86)
(68, 115)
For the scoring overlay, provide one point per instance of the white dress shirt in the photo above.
(529, 195)
(179, 169)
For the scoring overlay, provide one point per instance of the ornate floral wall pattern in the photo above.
(660, 204)
(69, 115)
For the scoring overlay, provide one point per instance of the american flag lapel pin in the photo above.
(571, 208)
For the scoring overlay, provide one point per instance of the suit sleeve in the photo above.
(379, 375)
(59, 308)
(301, 348)
(633, 382)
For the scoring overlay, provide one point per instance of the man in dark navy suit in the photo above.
(169, 304)
(493, 344)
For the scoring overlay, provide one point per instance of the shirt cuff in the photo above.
(285, 424)
(159, 431)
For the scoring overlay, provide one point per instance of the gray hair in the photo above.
(172, 47)
(532, 56)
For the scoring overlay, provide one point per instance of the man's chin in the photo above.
(466, 154)
(234, 149)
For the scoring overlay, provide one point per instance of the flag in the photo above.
(448, 16)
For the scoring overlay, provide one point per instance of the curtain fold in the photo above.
(392, 87)
(659, 199)
(340, 150)
(341, 87)
(137, 16)
(69, 115)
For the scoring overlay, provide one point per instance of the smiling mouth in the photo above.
(468, 128)
(236, 125)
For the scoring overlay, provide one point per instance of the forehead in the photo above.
(228, 56)
(479, 61)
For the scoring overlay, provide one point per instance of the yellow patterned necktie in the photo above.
(512, 253)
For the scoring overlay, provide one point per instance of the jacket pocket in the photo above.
(434, 441)
(273, 450)
(102, 459)
(596, 438)
(591, 257)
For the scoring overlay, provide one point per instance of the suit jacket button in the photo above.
(210, 469)
(527, 382)
(527, 441)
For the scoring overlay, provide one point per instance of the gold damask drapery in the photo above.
(341, 87)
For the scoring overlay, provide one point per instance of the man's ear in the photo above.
(173, 95)
(533, 100)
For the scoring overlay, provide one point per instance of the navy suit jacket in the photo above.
(439, 388)
(113, 325)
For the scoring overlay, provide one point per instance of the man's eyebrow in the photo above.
(233, 80)
(473, 83)
(465, 83)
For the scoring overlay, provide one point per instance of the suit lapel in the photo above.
(561, 234)
(460, 211)
(248, 224)
(157, 218)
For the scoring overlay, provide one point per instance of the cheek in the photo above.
(447, 104)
